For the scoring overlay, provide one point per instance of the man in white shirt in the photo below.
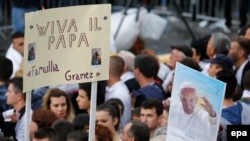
(16, 98)
(15, 51)
(117, 89)
(128, 76)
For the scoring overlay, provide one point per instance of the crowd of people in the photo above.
(134, 103)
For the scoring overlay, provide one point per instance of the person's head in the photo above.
(199, 48)
(151, 113)
(178, 53)
(165, 116)
(118, 102)
(219, 43)
(15, 95)
(46, 134)
(107, 115)
(135, 131)
(229, 78)
(62, 127)
(41, 118)
(6, 69)
(78, 135)
(245, 32)
(81, 122)
(240, 49)
(84, 96)
(145, 66)
(103, 133)
(58, 102)
(218, 63)
(246, 80)
(136, 113)
(152, 53)
(128, 58)
(18, 41)
(149, 52)
(116, 66)
(190, 62)
(188, 97)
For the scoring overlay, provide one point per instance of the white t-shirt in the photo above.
(15, 57)
(120, 91)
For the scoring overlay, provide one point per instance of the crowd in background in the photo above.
(134, 102)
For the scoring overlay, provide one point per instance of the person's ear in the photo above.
(213, 51)
(241, 53)
(115, 121)
(125, 67)
(19, 95)
(218, 69)
(159, 119)
(136, 71)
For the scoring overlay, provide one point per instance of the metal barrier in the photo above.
(4, 14)
(208, 10)
(218, 11)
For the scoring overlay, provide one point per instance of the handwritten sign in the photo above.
(66, 45)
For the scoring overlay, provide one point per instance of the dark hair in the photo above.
(153, 104)
(17, 34)
(78, 135)
(244, 44)
(43, 117)
(147, 65)
(191, 63)
(244, 30)
(6, 69)
(136, 111)
(46, 132)
(87, 88)
(103, 133)
(18, 85)
(116, 65)
(101, 87)
(112, 110)
(62, 127)
(228, 77)
(139, 131)
(200, 46)
(81, 121)
(116, 101)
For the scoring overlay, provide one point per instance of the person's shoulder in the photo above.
(245, 107)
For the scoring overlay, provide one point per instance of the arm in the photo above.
(210, 110)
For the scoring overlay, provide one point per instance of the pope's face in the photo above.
(188, 99)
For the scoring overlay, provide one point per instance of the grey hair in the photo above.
(221, 43)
